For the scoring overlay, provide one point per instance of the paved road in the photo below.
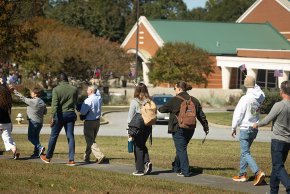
(118, 123)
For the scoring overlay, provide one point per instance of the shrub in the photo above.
(271, 98)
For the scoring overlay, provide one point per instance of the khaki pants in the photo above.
(91, 129)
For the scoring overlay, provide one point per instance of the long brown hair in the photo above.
(141, 89)
(5, 98)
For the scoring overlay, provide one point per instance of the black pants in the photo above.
(140, 150)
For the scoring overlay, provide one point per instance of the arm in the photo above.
(85, 107)
(275, 110)
(239, 113)
(202, 118)
(166, 108)
(28, 101)
(54, 103)
(132, 110)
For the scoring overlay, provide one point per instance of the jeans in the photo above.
(66, 120)
(140, 150)
(181, 139)
(246, 139)
(279, 153)
(33, 134)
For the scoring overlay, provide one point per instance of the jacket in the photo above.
(247, 110)
(64, 98)
(173, 107)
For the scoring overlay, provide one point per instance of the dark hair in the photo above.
(141, 89)
(63, 77)
(38, 91)
(183, 86)
(285, 87)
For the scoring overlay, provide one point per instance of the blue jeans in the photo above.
(33, 134)
(279, 153)
(246, 139)
(66, 120)
(181, 139)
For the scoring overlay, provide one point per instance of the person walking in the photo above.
(91, 112)
(5, 120)
(64, 100)
(36, 109)
(245, 115)
(142, 160)
(280, 143)
(182, 136)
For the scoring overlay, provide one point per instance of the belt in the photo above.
(93, 120)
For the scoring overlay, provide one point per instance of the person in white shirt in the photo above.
(245, 115)
(91, 112)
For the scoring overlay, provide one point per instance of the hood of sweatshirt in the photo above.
(257, 93)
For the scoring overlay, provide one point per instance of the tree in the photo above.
(226, 10)
(180, 61)
(103, 18)
(16, 37)
(75, 51)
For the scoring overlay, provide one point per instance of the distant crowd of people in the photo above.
(184, 110)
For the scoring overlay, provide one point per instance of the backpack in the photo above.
(187, 114)
(149, 113)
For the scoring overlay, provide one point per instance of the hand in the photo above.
(52, 122)
(255, 125)
(11, 88)
(234, 133)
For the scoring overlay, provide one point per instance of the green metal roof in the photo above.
(221, 38)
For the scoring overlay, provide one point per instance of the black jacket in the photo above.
(173, 107)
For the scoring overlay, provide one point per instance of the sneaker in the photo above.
(182, 175)
(148, 168)
(16, 156)
(240, 178)
(44, 159)
(138, 173)
(259, 178)
(71, 163)
(99, 161)
(41, 150)
(34, 155)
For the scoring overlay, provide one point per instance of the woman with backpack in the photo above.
(183, 109)
(142, 161)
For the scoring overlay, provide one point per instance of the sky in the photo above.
(194, 3)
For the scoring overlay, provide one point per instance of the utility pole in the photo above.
(137, 39)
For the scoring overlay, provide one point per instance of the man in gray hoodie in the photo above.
(280, 144)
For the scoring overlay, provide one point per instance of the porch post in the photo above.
(285, 77)
(226, 77)
(145, 73)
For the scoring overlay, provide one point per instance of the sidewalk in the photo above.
(167, 174)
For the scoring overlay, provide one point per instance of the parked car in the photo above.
(160, 100)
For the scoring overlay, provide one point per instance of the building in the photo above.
(257, 47)
(276, 12)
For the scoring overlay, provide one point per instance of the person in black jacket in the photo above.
(181, 137)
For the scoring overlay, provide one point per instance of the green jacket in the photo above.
(64, 98)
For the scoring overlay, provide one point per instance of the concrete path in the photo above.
(167, 174)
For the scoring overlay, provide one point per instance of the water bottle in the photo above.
(130, 145)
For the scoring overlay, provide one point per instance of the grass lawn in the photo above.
(214, 157)
(225, 118)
